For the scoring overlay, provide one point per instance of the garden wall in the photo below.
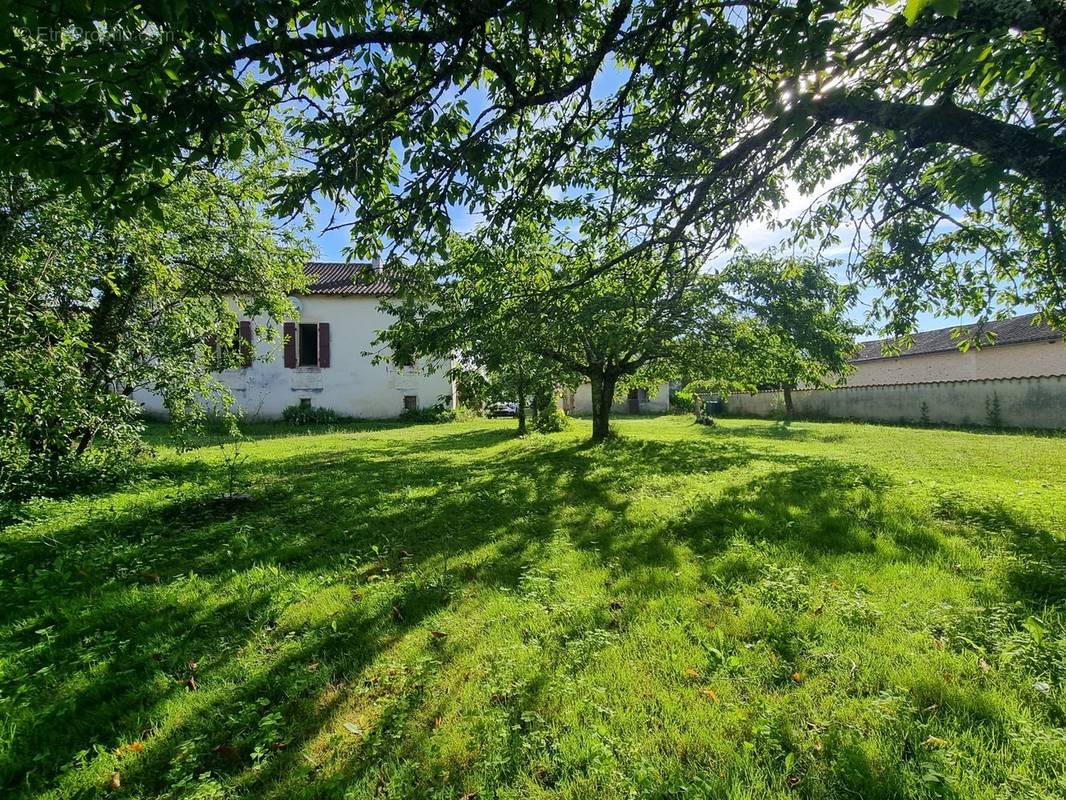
(1008, 402)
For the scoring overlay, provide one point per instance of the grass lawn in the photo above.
(753, 610)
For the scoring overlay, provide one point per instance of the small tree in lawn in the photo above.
(611, 321)
(468, 313)
(799, 322)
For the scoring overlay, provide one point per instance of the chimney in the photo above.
(375, 264)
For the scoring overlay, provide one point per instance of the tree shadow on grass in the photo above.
(814, 507)
(130, 600)
(781, 430)
(1037, 571)
(102, 621)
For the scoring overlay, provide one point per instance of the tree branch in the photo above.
(1013, 147)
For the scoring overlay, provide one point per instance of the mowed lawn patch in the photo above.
(751, 610)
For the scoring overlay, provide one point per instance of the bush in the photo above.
(39, 456)
(551, 420)
(309, 415)
(432, 415)
(682, 402)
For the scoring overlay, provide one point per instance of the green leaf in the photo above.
(913, 9)
(949, 8)
(1035, 628)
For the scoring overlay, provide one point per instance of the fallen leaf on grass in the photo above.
(692, 673)
(711, 695)
(984, 666)
(116, 780)
(438, 634)
(351, 727)
(935, 741)
(797, 677)
(132, 747)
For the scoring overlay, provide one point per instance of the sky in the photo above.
(755, 236)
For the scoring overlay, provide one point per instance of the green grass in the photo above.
(746, 611)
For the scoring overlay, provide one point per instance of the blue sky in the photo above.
(755, 236)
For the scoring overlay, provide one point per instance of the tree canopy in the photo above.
(93, 308)
(671, 121)
(526, 301)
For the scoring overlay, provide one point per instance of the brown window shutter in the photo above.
(289, 330)
(323, 344)
(246, 341)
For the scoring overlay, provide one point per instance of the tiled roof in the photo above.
(333, 277)
(1006, 331)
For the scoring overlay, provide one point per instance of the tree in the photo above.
(458, 306)
(642, 322)
(802, 331)
(946, 120)
(93, 308)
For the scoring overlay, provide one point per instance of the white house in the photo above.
(320, 361)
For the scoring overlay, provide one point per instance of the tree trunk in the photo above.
(790, 410)
(521, 406)
(602, 399)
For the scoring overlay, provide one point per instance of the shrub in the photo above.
(308, 415)
(38, 456)
(551, 420)
(433, 414)
(682, 402)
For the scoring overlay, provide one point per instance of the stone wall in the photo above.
(1009, 402)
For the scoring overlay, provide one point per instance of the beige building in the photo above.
(1018, 349)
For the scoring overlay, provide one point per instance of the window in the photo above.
(308, 342)
(240, 344)
(305, 402)
(410, 402)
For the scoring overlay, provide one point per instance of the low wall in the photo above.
(1022, 402)
(657, 403)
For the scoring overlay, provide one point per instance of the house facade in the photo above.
(1020, 349)
(319, 360)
